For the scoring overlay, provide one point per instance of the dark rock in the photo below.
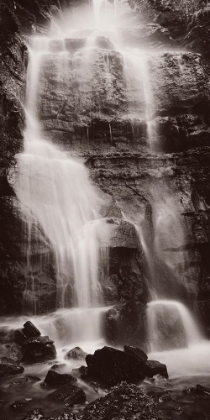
(123, 402)
(83, 370)
(20, 336)
(55, 379)
(201, 390)
(9, 367)
(35, 415)
(127, 323)
(136, 352)
(18, 405)
(111, 366)
(58, 366)
(40, 349)
(76, 353)
(30, 330)
(156, 368)
(70, 394)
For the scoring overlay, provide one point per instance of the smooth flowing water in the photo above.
(58, 198)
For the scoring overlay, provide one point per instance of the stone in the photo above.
(38, 350)
(123, 402)
(76, 353)
(127, 323)
(111, 366)
(136, 352)
(8, 367)
(30, 330)
(11, 351)
(20, 336)
(153, 367)
(70, 394)
(55, 380)
(18, 405)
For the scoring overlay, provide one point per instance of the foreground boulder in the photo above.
(124, 402)
(136, 352)
(9, 367)
(38, 350)
(77, 354)
(69, 394)
(156, 368)
(55, 379)
(111, 366)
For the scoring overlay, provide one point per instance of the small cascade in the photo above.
(171, 326)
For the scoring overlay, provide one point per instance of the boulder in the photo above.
(156, 368)
(136, 352)
(124, 402)
(9, 367)
(37, 350)
(127, 323)
(55, 380)
(70, 394)
(111, 366)
(76, 353)
(30, 330)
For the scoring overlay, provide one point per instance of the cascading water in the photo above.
(57, 197)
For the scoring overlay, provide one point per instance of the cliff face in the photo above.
(97, 115)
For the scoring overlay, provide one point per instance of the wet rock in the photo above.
(83, 370)
(127, 323)
(9, 367)
(11, 351)
(156, 368)
(56, 380)
(182, 84)
(20, 336)
(136, 352)
(152, 35)
(70, 394)
(6, 335)
(18, 405)
(30, 330)
(198, 31)
(76, 353)
(37, 350)
(111, 366)
(35, 415)
(58, 366)
(200, 390)
(123, 402)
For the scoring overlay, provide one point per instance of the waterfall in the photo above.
(171, 325)
(60, 203)
(58, 198)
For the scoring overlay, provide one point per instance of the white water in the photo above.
(168, 311)
(57, 197)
